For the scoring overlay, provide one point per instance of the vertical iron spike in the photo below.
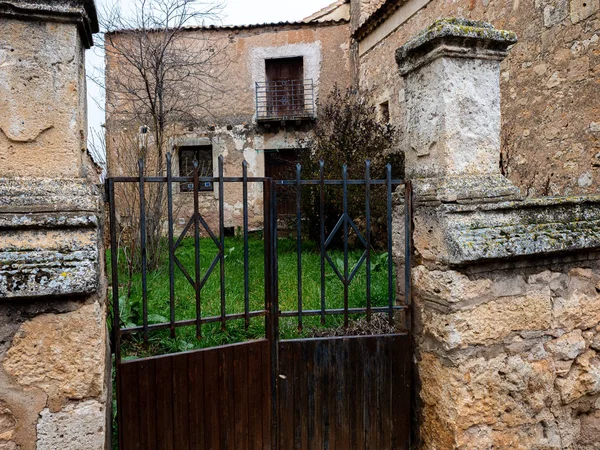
(171, 249)
(368, 233)
(299, 240)
(322, 234)
(222, 243)
(391, 300)
(408, 254)
(197, 261)
(346, 222)
(143, 250)
(246, 245)
(114, 266)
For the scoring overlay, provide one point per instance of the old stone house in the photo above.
(270, 84)
(549, 87)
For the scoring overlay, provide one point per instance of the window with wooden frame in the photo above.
(281, 165)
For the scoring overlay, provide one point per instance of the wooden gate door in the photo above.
(276, 391)
(345, 393)
(218, 398)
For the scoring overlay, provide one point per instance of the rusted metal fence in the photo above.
(285, 100)
(352, 392)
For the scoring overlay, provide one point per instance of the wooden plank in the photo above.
(227, 398)
(147, 404)
(352, 403)
(286, 396)
(332, 393)
(267, 406)
(318, 419)
(304, 376)
(181, 414)
(344, 388)
(296, 392)
(401, 392)
(212, 401)
(164, 403)
(129, 408)
(359, 357)
(196, 395)
(387, 381)
(369, 408)
(241, 395)
(377, 364)
(311, 387)
(255, 397)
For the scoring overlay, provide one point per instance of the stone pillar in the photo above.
(506, 290)
(54, 371)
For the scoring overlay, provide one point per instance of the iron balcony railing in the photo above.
(285, 100)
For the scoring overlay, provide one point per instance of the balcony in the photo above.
(285, 100)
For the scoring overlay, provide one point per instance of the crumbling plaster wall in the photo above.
(549, 85)
(231, 123)
(42, 77)
(54, 358)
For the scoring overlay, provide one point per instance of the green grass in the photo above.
(212, 335)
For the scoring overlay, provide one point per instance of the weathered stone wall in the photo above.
(54, 359)
(506, 289)
(231, 124)
(509, 355)
(549, 86)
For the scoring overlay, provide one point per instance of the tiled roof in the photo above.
(379, 16)
(249, 27)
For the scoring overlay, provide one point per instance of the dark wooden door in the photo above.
(285, 86)
(345, 393)
(281, 165)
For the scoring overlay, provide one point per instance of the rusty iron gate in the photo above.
(330, 392)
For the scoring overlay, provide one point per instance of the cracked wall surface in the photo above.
(54, 356)
(509, 357)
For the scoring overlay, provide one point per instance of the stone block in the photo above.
(452, 107)
(79, 426)
(576, 310)
(590, 429)
(579, 68)
(484, 403)
(567, 347)
(556, 13)
(582, 9)
(475, 232)
(49, 238)
(63, 355)
(491, 322)
(450, 289)
(583, 378)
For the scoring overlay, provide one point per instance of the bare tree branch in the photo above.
(159, 74)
